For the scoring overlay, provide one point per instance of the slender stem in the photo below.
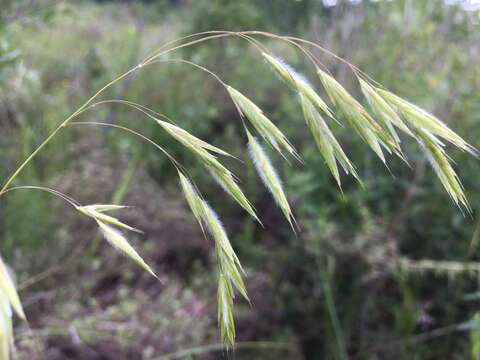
(183, 61)
(57, 193)
(63, 124)
(170, 157)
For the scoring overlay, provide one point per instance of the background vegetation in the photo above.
(385, 272)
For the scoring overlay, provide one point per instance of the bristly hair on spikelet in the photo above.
(229, 268)
(298, 82)
(422, 119)
(269, 176)
(113, 236)
(326, 142)
(360, 120)
(220, 173)
(261, 123)
(384, 112)
(439, 160)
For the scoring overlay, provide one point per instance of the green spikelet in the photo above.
(297, 82)
(358, 117)
(421, 119)
(269, 176)
(326, 142)
(261, 123)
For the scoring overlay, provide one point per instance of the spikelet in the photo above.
(194, 200)
(7, 290)
(384, 111)
(232, 271)
(94, 212)
(358, 117)
(297, 82)
(216, 229)
(269, 176)
(261, 123)
(419, 118)
(326, 142)
(225, 310)
(435, 152)
(229, 268)
(188, 139)
(105, 207)
(208, 217)
(118, 241)
(112, 235)
(6, 328)
(229, 184)
(220, 173)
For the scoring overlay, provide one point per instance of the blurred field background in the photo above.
(391, 271)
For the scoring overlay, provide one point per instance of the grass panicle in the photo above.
(269, 176)
(392, 112)
(421, 119)
(359, 119)
(326, 141)
(261, 123)
(297, 82)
